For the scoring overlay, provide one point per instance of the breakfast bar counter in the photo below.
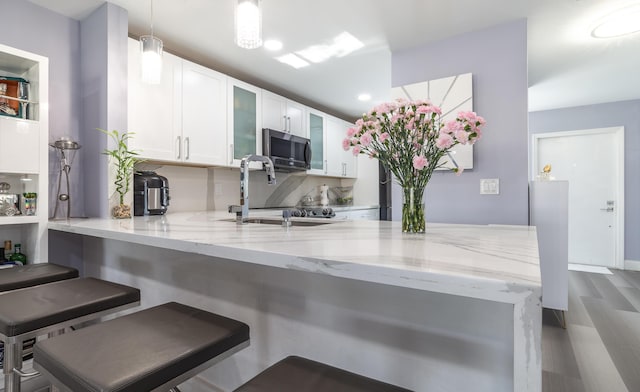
(478, 266)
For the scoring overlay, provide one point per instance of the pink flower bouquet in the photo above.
(410, 139)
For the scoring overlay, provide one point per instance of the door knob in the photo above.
(609, 206)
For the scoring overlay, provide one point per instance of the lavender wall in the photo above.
(626, 114)
(497, 57)
(104, 96)
(35, 29)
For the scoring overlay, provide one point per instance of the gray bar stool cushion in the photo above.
(33, 275)
(297, 374)
(140, 351)
(30, 309)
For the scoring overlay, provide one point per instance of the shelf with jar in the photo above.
(20, 84)
(12, 255)
(15, 97)
(18, 198)
(24, 150)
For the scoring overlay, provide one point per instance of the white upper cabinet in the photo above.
(153, 110)
(244, 109)
(204, 115)
(282, 114)
(182, 119)
(201, 117)
(317, 130)
(340, 163)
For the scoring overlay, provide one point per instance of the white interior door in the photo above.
(591, 162)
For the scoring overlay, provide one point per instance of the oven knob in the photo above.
(326, 211)
(296, 213)
(303, 213)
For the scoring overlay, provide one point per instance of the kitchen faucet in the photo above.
(242, 211)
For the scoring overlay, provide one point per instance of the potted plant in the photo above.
(124, 161)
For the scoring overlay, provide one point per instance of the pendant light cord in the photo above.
(152, 18)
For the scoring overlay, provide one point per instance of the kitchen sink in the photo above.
(278, 221)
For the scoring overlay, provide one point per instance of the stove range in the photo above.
(313, 212)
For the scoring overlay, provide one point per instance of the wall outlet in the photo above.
(490, 186)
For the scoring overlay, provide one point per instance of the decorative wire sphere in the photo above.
(66, 149)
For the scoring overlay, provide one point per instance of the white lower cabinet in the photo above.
(182, 119)
(359, 214)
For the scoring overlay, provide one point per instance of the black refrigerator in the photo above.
(384, 196)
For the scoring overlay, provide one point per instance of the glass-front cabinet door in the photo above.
(318, 136)
(244, 133)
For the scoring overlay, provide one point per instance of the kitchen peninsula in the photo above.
(455, 309)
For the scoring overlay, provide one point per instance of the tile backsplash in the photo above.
(187, 187)
(199, 189)
(223, 188)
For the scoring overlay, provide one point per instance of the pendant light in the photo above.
(248, 24)
(151, 63)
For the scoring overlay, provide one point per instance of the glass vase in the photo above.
(413, 210)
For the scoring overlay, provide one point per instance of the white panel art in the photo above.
(452, 94)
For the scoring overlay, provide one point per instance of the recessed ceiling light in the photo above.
(623, 22)
(316, 53)
(272, 44)
(346, 43)
(364, 97)
(342, 45)
(292, 60)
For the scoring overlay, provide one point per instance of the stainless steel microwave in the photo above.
(287, 152)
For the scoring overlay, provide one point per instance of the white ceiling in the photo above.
(567, 67)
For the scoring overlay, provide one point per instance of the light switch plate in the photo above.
(490, 186)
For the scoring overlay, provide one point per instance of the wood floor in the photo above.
(600, 349)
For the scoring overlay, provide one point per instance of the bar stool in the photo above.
(38, 310)
(19, 277)
(30, 275)
(297, 374)
(155, 349)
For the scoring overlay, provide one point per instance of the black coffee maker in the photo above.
(150, 193)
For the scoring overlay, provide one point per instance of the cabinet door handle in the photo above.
(231, 154)
(289, 124)
(325, 166)
(187, 147)
(179, 147)
(285, 123)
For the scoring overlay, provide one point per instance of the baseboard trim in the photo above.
(632, 265)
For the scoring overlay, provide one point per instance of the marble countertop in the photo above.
(493, 262)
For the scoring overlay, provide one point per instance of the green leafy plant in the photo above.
(124, 158)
